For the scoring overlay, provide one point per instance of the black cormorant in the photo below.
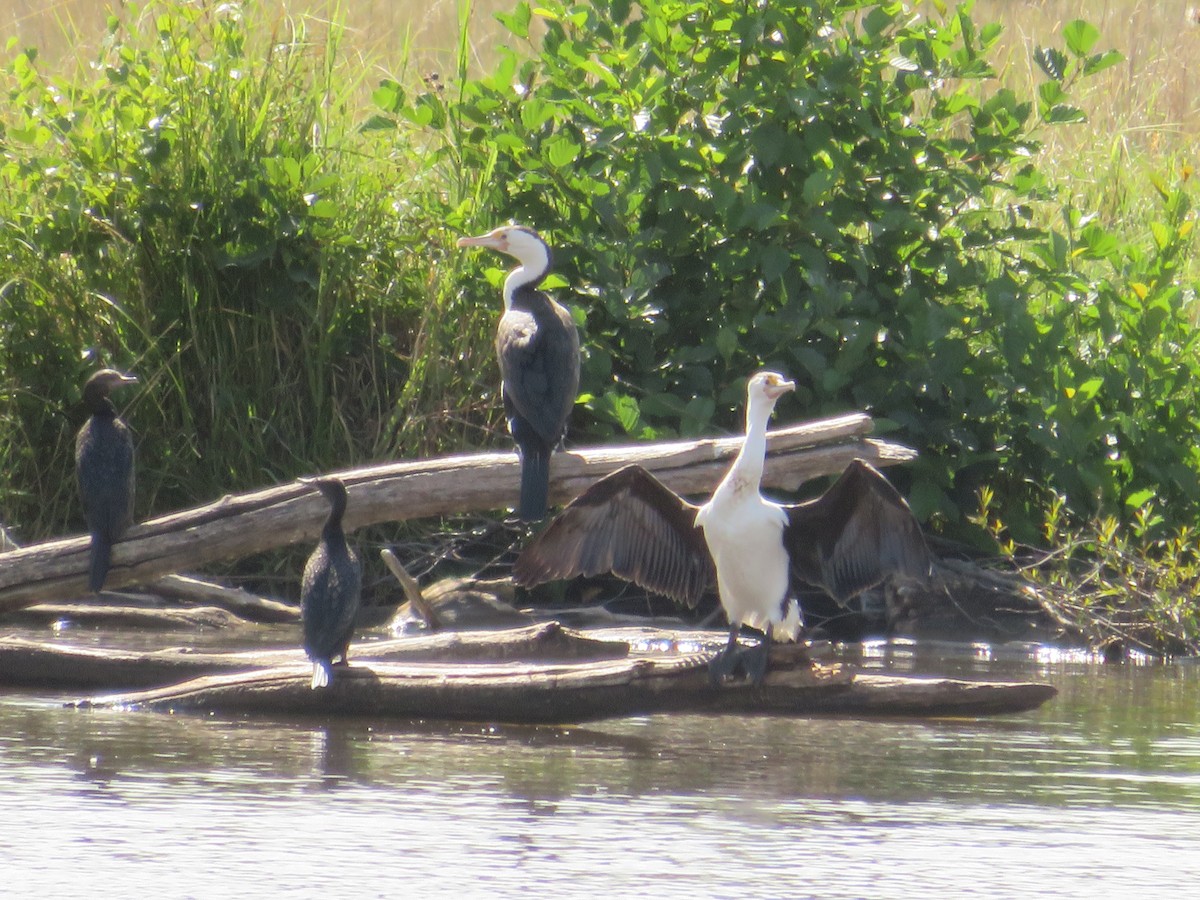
(855, 535)
(331, 590)
(538, 347)
(104, 470)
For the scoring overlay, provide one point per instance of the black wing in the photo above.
(632, 525)
(854, 536)
(104, 471)
(538, 347)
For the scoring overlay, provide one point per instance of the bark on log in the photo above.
(27, 663)
(239, 525)
(575, 692)
(241, 603)
(107, 615)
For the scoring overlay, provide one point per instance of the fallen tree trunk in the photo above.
(59, 666)
(568, 693)
(239, 525)
(540, 673)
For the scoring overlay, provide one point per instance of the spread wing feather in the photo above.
(856, 535)
(631, 525)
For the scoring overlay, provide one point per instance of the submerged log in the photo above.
(239, 525)
(568, 693)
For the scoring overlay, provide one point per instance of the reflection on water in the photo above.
(1096, 794)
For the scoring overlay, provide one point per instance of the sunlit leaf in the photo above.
(1100, 61)
(1081, 36)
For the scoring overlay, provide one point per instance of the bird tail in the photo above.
(321, 674)
(101, 554)
(792, 624)
(535, 481)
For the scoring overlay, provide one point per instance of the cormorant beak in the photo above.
(495, 240)
(779, 388)
(129, 379)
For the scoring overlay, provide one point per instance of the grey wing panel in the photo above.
(857, 534)
(628, 524)
(539, 365)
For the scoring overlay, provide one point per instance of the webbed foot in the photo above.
(754, 660)
(724, 666)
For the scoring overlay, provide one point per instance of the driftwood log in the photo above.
(541, 673)
(30, 663)
(239, 525)
(567, 693)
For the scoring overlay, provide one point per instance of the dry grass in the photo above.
(1151, 100)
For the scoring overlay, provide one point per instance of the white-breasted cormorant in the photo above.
(538, 347)
(331, 590)
(104, 470)
(756, 552)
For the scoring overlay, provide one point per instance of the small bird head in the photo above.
(517, 241)
(769, 386)
(331, 488)
(104, 382)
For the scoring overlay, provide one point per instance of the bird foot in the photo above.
(740, 663)
(754, 661)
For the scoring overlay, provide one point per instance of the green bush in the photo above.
(198, 208)
(840, 190)
(837, 189)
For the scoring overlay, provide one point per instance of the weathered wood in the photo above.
(29, 663)
(240, 602)
(115, 615)
(239, 525)
(575, 692)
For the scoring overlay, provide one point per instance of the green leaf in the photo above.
(697, 415)
(389, 96)
(1051, 93)
(1140, 498)
(1101, 61)
(1081, 36)
(561, 151)
(1051, 61)
(1062, 114)
(1089, 388)
(622, 408)
(518, 21)
(818, 185)
(774, 260)
(727, 343)
(878, 19)
(378, 123)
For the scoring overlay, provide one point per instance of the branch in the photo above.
(243, 524)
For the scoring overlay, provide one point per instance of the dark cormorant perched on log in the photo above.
(104, 470)
(331, 590)
(757, 553)
(538, 346)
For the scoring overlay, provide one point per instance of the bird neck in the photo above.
(530, 273)
(333, 525)
(101, 406)
(747, 469)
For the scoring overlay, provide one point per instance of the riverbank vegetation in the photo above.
(840, 190)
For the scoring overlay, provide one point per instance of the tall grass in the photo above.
(203, 209)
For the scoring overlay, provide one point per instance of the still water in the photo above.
(1097, 794)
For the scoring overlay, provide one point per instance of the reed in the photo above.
(203, 209)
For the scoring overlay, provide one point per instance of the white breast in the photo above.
(745, 537)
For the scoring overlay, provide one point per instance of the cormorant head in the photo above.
(523, 244)
(103, 383)
(767, 387)
(331, 488)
